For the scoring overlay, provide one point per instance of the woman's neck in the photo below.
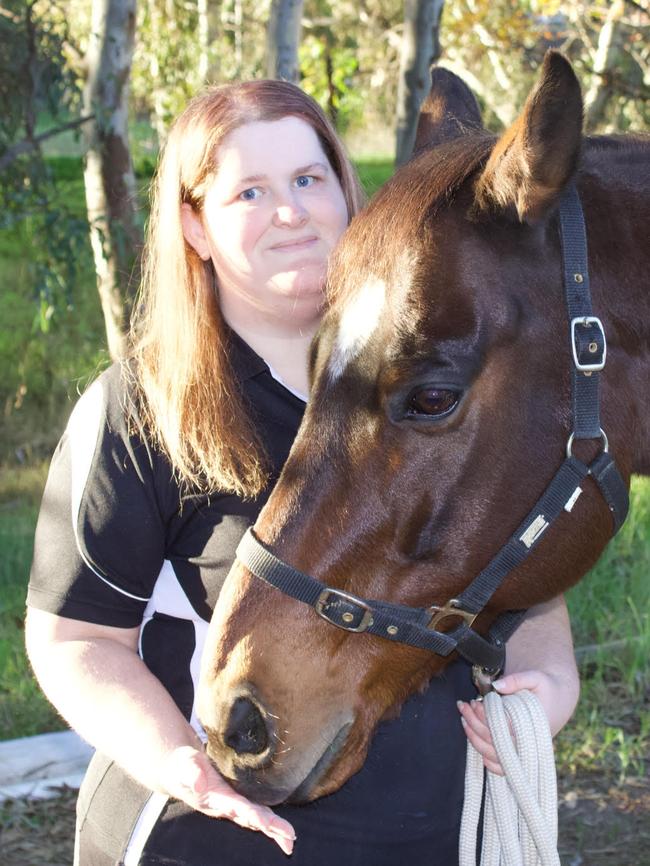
(285, 350)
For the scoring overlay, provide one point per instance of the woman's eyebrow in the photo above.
(303, 169)
(252, 178)
(312, 165)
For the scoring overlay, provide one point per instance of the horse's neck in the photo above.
(617, 198)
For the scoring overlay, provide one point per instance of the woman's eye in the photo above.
(433, 401)
(304, 180)
(250, 194)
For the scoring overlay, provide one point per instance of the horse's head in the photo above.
(440, 409)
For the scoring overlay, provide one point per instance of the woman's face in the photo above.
(271, 216)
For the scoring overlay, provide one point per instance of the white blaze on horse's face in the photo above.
(358, 321)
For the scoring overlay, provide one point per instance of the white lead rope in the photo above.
(520, 821)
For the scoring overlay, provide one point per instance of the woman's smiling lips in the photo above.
(295, 245)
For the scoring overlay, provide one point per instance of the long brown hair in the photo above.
(190, 399)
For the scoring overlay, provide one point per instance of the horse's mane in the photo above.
(618, 142)
(378, 236)
(382, 233)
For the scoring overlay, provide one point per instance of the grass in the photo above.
(373, 173)
(610, 614)
(23, 709)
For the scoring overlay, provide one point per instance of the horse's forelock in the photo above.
(395, 221)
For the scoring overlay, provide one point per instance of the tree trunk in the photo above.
(238, 24)
(420, 48)
(108, 172)
(605, 62)
(282, 40)
(204, 39)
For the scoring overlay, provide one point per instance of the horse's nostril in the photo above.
(246, 731)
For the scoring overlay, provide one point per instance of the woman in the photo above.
(165, 463)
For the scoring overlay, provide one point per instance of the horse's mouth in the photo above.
(249, 784)
(303, 791)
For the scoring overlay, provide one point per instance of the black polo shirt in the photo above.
(116, 546)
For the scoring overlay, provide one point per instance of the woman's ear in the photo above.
(194, 231)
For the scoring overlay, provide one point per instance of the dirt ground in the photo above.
(601, 824)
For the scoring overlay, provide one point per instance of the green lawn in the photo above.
(23, 709)
(610, 614)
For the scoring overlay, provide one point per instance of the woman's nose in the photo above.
(290, 213)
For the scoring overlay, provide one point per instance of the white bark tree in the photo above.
(420, 48)
(108, 172)
(204, 39)
(283, 38)
(606, 60)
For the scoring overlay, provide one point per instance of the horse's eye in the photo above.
(433, 401)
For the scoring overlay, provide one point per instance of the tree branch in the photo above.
(31, 143)
(637, 6)
(7, 13)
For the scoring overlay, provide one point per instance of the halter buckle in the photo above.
(343, 610)
(589, 348)
(450, 608)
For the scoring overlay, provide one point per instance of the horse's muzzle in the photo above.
(248, 752)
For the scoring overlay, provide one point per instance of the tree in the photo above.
(36, 84)
(420, 48)
(611, 51)
(283, 38)
(108, 175)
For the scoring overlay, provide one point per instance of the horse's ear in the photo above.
(449, 111)
(534, 160)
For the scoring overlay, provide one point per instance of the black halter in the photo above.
(418, 626)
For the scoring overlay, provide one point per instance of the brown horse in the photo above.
(439, 411)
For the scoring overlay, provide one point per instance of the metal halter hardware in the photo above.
(349, 621)
(418, 626)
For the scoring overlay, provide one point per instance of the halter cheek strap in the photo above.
(418, 627)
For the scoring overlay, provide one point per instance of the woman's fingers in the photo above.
(511, 683)
(473, 720)
(223, 802)
(189, 776)
(552, 692)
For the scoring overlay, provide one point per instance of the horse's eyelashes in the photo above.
(434, 402)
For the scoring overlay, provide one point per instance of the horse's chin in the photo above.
(309, 787)
(254, 787)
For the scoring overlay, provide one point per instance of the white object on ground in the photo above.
(520, 822)
(35, 767)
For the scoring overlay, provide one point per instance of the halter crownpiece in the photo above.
(418, 626)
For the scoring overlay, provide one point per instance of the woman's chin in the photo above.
(301, 283)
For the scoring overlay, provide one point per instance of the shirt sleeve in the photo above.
(100, 536)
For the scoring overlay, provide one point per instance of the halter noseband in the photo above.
(418, 626)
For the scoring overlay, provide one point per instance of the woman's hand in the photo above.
(555, 693)
(539, 658)
(95, 678)
(189, 776)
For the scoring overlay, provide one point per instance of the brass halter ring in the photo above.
(603, 436)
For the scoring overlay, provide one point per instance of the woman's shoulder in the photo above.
(105, 430)
(111, 400)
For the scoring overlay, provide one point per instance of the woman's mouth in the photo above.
(296, 245)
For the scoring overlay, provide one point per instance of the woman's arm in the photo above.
(95, 678)
(540, 658)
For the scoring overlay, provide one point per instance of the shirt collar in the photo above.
(244, 360)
